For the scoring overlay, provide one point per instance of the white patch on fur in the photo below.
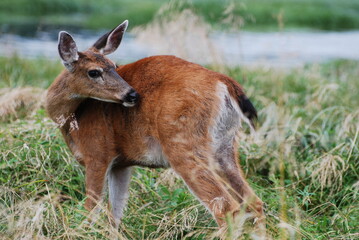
(73, 123)
(154, 155)
(234, 116)
(229, 116)
(227, 124)
(62, 120)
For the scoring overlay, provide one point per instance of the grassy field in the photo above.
(303, 162)
(26, 17)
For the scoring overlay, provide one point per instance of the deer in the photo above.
(157, 112)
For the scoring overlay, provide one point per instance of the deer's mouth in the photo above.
(105, 100)
(128, 104)
(131, 98)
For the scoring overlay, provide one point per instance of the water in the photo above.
(45, 46)
(289, 49)
(284, 49)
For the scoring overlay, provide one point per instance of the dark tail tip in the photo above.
(247, 108)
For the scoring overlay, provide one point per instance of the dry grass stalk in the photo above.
(39, 218)
(15, 102)
(183, 34)
(328, 171)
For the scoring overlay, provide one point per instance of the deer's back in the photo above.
(172, 87)
(176, 96)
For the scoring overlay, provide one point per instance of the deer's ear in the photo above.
(67, 50)
(109, 42)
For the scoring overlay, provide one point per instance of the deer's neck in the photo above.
(61, 102)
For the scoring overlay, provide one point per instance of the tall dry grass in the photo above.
(302, 161)
(177, 30)
(20, 102)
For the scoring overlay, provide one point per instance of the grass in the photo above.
(27, 17)
(303, 162)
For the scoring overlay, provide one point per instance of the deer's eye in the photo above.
(94, 73)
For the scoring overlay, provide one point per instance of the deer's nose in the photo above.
(132, 97)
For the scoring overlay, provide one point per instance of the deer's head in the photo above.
(91, 74)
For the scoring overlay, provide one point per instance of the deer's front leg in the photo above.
(118, 182)
(95, 180)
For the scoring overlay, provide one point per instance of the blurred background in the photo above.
(280, 33)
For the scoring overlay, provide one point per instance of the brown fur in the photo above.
(178, 106)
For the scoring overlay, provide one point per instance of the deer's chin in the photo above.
(128, 104)
(106, 100)
(125, 104)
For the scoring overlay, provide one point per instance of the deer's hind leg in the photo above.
(197, 172)
(226, 156)
(186, 144)
(224, 134)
